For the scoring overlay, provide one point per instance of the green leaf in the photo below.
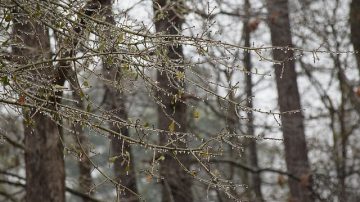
(85, 83)
(81, 94)
(172, 126)
(146, 124)
(125, 66)
(8, 18)
(113, 159)
(161, 158)
(120, 38)
(59, 87)
(180, 75)
(88, 108)
(110, 60)
(196, 114)
(127, 169)
(5, 80)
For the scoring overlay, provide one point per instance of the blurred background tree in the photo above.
(179, 100)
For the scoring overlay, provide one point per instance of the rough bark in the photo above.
(114, 102)
(45, 174)
(66, 71)
(355, 28)
(252, 150)
(355, 39)
(289, 99)
(124, 164)
(176, 183)
(124, 167)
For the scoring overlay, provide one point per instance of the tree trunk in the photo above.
(114, 101)
(65, 69)
(124, 163)
(124, 167)
(355, 28)
(45, 174)
(252, 155)
(176, 183)
(289, 99)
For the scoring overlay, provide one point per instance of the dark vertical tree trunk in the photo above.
(341, 138)
(289, 99)
(65, 68)
(124, 163)
(45, 174)
(355, 28)
(124, 168)
(177, 183)
(66, 71)
(114, 101)
(252, 150)
(355, 39)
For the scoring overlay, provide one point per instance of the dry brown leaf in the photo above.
(281, 180)
(253, 24)
(21, 100)
(357, 91)
(149, 178)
